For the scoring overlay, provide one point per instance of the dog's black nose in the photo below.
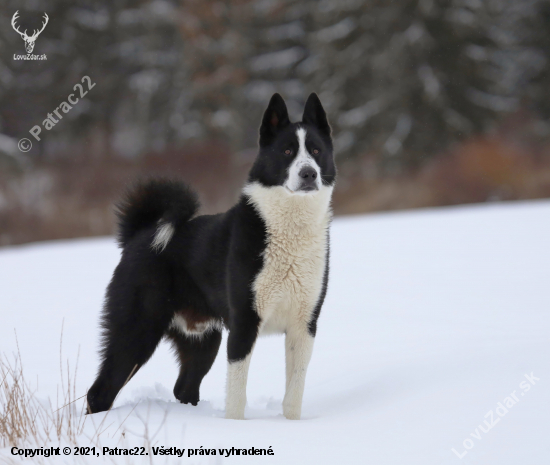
(308, 176)
(307, 173)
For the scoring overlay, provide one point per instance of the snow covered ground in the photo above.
(432, 319)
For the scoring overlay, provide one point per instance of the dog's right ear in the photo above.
(275, 119)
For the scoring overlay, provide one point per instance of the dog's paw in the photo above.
(292, 415)
(292, 412)
(234, 415)
(188, 397)
(193, 401)
(99, 398)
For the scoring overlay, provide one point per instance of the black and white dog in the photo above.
(261, 267)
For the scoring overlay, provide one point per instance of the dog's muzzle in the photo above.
(308, 179)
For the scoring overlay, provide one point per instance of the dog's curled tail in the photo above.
(162, 202)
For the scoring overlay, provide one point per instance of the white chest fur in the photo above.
(290, 282)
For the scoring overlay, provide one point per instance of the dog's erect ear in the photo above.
(315, 115)
(275, 119)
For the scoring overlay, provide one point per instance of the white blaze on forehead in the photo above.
(301, 135)
(303, 158)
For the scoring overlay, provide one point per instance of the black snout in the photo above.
(308, 176)
(308, 173)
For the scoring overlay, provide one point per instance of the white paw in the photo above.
(234, 414)
(292, 412)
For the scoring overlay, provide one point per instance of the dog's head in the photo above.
(297, 156)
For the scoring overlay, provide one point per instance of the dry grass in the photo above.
(25, 419)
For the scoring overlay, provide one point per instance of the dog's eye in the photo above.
(288, 151)
(315, 152)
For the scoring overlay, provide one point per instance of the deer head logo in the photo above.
(29, 40)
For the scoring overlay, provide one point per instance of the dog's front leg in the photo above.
(240, 345)
(235, 400)
(298, 350)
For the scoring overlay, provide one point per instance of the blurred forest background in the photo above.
(431, 102)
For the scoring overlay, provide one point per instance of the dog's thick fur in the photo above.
(261, 267)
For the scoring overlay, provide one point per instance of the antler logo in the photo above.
(29, 40)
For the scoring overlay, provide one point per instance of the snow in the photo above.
(432, 318)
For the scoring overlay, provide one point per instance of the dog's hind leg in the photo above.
(134, 323)
(196, 355)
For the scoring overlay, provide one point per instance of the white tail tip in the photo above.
(164, 233)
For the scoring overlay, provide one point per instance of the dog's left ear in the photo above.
(315, 115)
